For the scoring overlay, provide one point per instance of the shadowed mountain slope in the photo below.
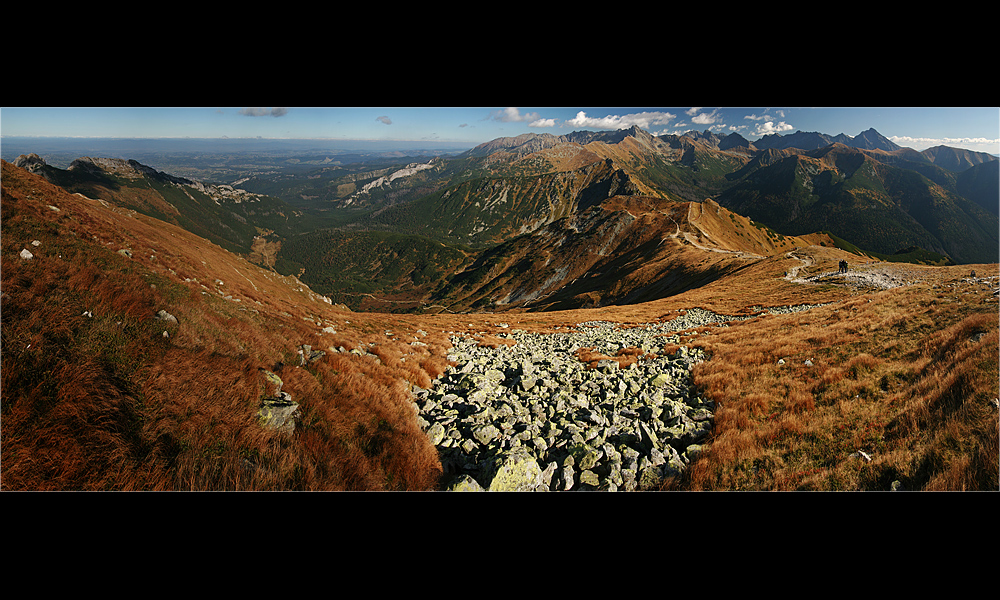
(628, 249)
(874, 205)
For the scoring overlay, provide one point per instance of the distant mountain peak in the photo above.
(813, 140)
(873, 140)
(30, 162)
(124, 167)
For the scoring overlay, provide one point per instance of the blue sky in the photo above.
(974, 128)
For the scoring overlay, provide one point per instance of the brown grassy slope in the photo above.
(908, 376)
(106, 402)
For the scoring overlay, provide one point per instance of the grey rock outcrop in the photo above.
(309, 355)
(279, 413)
(277, 410)
(30, 162)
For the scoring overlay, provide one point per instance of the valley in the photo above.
(602, 312)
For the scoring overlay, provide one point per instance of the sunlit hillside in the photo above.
(889, 382)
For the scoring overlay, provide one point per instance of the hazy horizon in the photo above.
(973, 128)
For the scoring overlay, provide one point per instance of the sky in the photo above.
(972, 128)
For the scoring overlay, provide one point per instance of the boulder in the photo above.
(279, 413)
(272, 381)
(163, 315)
(517, 471)
(309, 355)
(466, 483)
(660, 380)
(436, 433)
(485, 434)
(584, 456)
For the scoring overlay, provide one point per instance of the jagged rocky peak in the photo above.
(118, 166)
(614, 137)
(873, 140)
(734, 140)
(812, 140)
(706, 137)
(30, 162)
(125, 168)
(525, 143)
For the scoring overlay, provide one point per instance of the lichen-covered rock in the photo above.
(660, 380)
(279, 413)
(584, 456)
(517, 472)
(466, 484)
(272, 382)
(590, 479)
(309, 355)
(436, 433)
(485, 433)
(650, 478)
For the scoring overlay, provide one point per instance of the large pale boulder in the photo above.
(517, 471)
(279, 413)
(466, 484)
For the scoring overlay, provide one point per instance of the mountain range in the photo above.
(582, 219)
(164, 333)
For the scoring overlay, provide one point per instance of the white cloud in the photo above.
(543, 123)
(511, 114)
(922, 143)
(384, 119)
(779, 113)
(705, 118)
(769, 127)
(643, 119)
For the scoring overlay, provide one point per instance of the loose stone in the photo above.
(503, 413)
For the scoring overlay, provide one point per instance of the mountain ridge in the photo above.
(812, 140)
(512, 187)
(628, 249)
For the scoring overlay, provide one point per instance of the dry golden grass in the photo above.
(107, 402)
(906, 376)
(893, 375)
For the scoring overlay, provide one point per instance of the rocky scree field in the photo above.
(593, 407)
